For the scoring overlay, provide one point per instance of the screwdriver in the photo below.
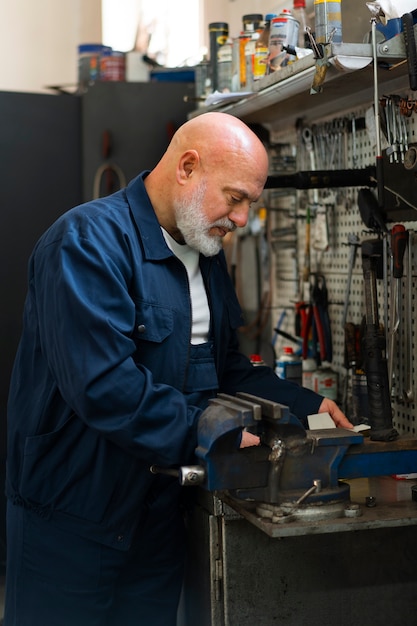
(399, 239)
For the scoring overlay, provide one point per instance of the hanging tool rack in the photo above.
(322, 154)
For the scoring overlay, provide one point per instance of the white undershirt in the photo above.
(199, 304)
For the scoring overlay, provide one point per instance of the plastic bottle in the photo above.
(250, 48)
(260, 59)
(256, 360)
(325, 381)
(224, 66)
(309, 369)
(299, 12)
(251, 23)
(289, 366)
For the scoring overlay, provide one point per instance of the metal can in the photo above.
(113, 66)
(218, 34)
(328, 21)
(289, 366)
(284, 32)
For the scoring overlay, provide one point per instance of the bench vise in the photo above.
(293, 468)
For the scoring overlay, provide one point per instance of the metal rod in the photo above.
(379, 160)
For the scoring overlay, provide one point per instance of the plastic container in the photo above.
(325, 382)
(89, 57)
(260, 59)
(250, 48)
(251, 23)
(289, 366)
(137, 71)
(256, 360)
(309, 369)
(299, 12)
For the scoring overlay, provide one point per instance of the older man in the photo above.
(129, 328)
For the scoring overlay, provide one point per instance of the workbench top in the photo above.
(393, 507)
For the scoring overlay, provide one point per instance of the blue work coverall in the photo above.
(98, 395)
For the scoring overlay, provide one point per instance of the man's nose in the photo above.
(239, 216)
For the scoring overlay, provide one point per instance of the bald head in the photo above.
(216, 151)
(217, 134)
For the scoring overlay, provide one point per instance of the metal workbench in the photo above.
(244, 571)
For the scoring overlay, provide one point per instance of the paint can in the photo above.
(112, 66)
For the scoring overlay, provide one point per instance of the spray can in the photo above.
(289, 366)
(328, 21)
(284, 32)
(218, 34)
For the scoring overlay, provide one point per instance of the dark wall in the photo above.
(40, 176)
(51, 147)
(129, 125)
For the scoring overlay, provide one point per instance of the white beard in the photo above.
(194, 226)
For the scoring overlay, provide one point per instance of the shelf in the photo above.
(286, 96)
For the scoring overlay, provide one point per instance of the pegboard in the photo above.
(347, 141)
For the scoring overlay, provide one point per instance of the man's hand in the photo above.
(327, 406)
(248, 439)
(339, 418)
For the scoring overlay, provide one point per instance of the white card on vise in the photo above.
(318, 421)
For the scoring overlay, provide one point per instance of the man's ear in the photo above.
(187, 164)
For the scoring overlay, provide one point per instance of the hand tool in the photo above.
(380, 410)
(379, 156)
(353, 242)
(350, 360)
(408, 395)
(399, 238)
(318, 323)
(307, 266)
(324, 179)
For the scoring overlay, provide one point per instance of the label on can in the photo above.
(260, 61)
